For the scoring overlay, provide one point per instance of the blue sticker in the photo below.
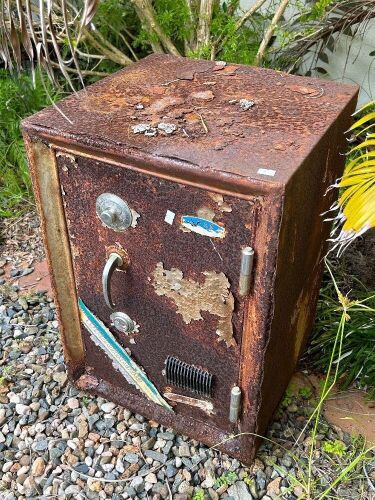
(203, 226)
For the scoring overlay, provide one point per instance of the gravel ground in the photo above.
(57, 442)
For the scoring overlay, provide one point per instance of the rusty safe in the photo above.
(181, 206)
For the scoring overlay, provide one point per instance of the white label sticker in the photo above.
(266, 171)
(169, 217)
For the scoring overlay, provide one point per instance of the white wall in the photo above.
(357, 67)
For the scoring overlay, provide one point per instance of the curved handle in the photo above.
(114, 261)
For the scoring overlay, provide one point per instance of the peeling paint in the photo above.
(135, 217)
(206, 213)
(219, 199)
(192, 298)
(203, 405)
(69, 156)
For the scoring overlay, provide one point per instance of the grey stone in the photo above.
(183, 450)
(170, 470)
(155, 455)
(138, 484)
(84, 468)
(239, 491)
(132, 458)
(41, 445)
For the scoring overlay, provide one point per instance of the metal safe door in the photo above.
(179, 286)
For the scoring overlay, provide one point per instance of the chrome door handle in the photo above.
(114, 261)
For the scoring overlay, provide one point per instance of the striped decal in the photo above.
(121, 360)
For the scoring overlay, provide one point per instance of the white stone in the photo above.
(100, 449)
(73, 403)
(120, 466)
(23, 470)
(7, 466)
(71, 444)
(107, 407)
(72, 489)
(22, 409)
(13, 398)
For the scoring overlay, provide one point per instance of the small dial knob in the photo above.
(113, 212)
(122, 322)
(109, 216)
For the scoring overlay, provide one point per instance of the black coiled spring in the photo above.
(188, 377)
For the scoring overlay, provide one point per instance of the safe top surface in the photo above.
(215, 134)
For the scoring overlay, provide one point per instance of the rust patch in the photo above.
(105, 103)
(204, 95)
(47, 190)
(164, 103)
(86, 382)
(192, 297)
(203, 405)
(117, 248)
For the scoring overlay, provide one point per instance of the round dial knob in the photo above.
(113, 212)
(122, 322)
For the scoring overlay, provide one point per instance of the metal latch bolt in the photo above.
(247, 259)
(235, 404)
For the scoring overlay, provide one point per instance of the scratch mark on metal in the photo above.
(203, 405)
(216, 250)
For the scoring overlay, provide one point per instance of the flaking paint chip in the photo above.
(191, 298)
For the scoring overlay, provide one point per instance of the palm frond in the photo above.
(356, 204)
(39, 28)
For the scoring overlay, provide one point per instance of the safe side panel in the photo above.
(302, 247)
(156, 248)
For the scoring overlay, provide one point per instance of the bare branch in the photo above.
(249, 13)
(83, 72)
(222, 41)
(270, 30)
(204, 23)
(105, 48)
(147, 15)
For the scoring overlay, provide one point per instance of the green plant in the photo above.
(288, 397)
(85, 400)
(308, 39)
(226, 478)
(19, 97)
(356, 361)
(248, 480)
(347, 307)
(89, 38)
(198, 494)
(336, 447)
(305, 392)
